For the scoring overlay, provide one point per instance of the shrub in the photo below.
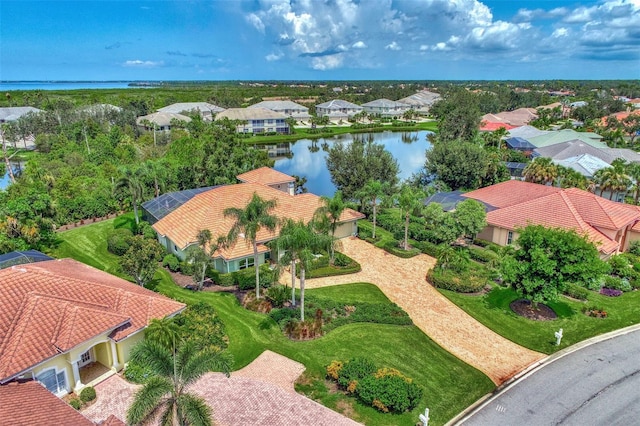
(428, 248)
(333, 369)
(394, 248)
(356, 369)
(621, 266)
(576, 291)
(278, 295)
(136, 373)
(390, 392)
(610, 292)
(172, 262)
(75, 403)
(226, 280)
(186, 268)
(634, 248)
(213, 274)
(616, 283)
(461, 283)
(145, 229)
(481, 255)
(87, 394)
(119, 240)
(282, 316)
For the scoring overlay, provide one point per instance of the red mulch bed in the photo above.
(526, 309)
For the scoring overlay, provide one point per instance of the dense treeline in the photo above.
(90, 165)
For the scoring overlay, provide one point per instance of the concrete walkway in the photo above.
(262, 393)
(403, 281)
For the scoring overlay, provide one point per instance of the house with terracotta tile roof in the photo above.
(27, 402)
(611, 226)
(68, 325)
(177, 229)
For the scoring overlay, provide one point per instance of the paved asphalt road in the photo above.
(596, 385)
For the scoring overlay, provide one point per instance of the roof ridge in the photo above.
(70, 310)
(573, 210)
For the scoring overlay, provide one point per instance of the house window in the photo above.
(245, 263)
(54, 381)
(509, 237)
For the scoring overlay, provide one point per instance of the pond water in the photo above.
(16, 166)
(308, 158)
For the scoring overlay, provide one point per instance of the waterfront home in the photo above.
(206, 110)
(256, 120)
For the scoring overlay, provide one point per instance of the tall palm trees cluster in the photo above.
(621, 177)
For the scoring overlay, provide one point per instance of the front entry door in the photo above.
(85, 358)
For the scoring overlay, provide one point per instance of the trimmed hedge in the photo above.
(75, 403)
(577, 292)
(394, 248)
(119, 240)
(460, 283)
(482, 255)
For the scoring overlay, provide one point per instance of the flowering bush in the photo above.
(594, 311)
(611, 292)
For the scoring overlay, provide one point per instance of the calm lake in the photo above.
(308, 158)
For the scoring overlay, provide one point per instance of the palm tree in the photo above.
(411, 201)
(248, 221)
(328, 216)
(613, 178)
(372, 191)
(201, 257)
(132, 179)
(163, 331)
(287, 242)
(166, 393)
(6, 156)
(301, 243)
(541, 170)
(633, 169)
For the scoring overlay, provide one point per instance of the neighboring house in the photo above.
(560, 136)
(519, 144)
(578, 104)
(576, 147)
(608, 224)
(14, 113)
(69, 325)
(177, 229)
(526, 132)
(386, 108)
(515, 118)
(288, 108)
(256, 120)
(160, 120)
(338, 108)
(26, 402)
(492, 126)
(206, 110)
(421, 101)
(585, 164)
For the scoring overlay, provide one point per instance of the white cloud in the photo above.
(256, 22)
(327, 62)
(273, 57)
(330, 35)
(143, 64)
(560, 32)
(392, 46)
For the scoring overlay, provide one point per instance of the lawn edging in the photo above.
(533, 368)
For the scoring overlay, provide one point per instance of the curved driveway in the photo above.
(403, 281)
(596, 385)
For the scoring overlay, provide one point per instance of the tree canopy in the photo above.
(352, 165)
(547, 259)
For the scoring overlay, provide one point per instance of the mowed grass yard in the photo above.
(492, 310)
(449, 384)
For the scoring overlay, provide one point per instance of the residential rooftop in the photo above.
(248, 114)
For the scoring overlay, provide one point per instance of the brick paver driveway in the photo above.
(403, 281)
(260, 394)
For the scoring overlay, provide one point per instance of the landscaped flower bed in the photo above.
(595, 312)
(611, 292)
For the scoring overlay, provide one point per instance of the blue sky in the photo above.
(319, 40)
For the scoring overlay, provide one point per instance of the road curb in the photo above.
(486, 399)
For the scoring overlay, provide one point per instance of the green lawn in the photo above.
(450, 384)
(493, 311)
(302, 133)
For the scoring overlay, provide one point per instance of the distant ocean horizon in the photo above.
(65, 85)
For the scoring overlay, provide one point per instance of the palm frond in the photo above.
(148, 399)
(194, 411)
